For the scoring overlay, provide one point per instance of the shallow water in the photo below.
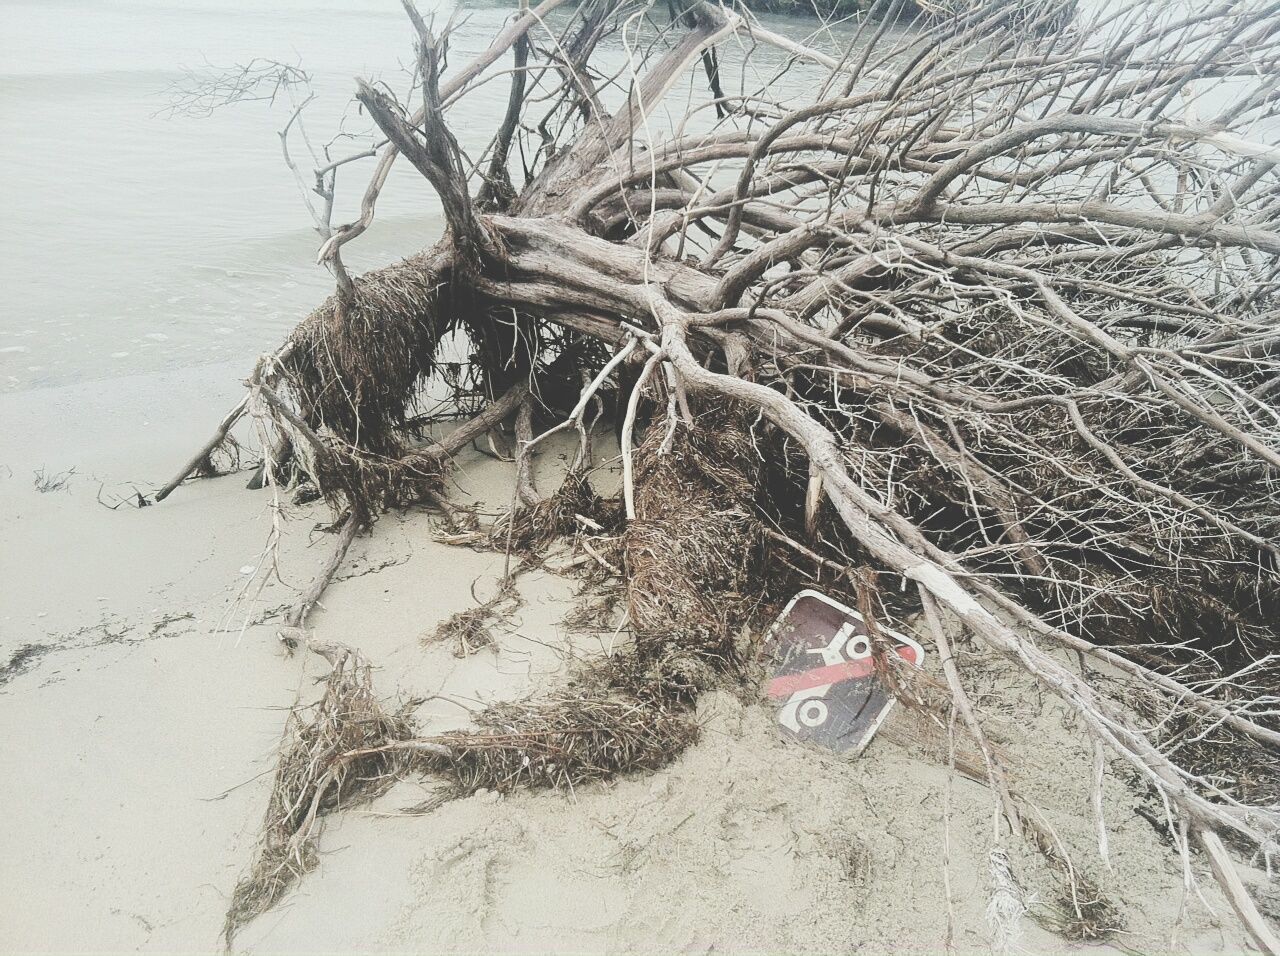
(136, 241)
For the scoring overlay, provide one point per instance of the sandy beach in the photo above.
(965, 314)
(142, 706)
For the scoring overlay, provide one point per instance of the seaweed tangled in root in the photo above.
(356, 363)
(333, 755)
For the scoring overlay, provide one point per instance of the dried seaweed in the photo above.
(473, 628)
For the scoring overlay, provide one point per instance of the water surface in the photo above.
(137, 241)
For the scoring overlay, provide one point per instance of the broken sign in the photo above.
(825, 679)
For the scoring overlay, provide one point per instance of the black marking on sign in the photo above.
(825, 679)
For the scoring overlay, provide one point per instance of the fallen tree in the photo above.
(984, 326)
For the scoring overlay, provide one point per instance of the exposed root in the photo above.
(531, 528)
(589, 732)
(357, 362)
(202, 457)
(332, 756)
(223, 459)
(380, 483)
(694, 553)
(294, 630)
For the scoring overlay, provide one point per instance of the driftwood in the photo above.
(997, 300)
(198, 460)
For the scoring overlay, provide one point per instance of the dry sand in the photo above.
(140, 714)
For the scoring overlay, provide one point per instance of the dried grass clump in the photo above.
(662, 669)
(1081, 911)
(322, 765)
(1087, 916)
(595, 607)
(587, 732)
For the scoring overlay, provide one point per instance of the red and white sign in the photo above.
(825, 678)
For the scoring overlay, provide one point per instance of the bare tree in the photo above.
(993, 310)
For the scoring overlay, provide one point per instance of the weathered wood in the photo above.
(205, 450)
